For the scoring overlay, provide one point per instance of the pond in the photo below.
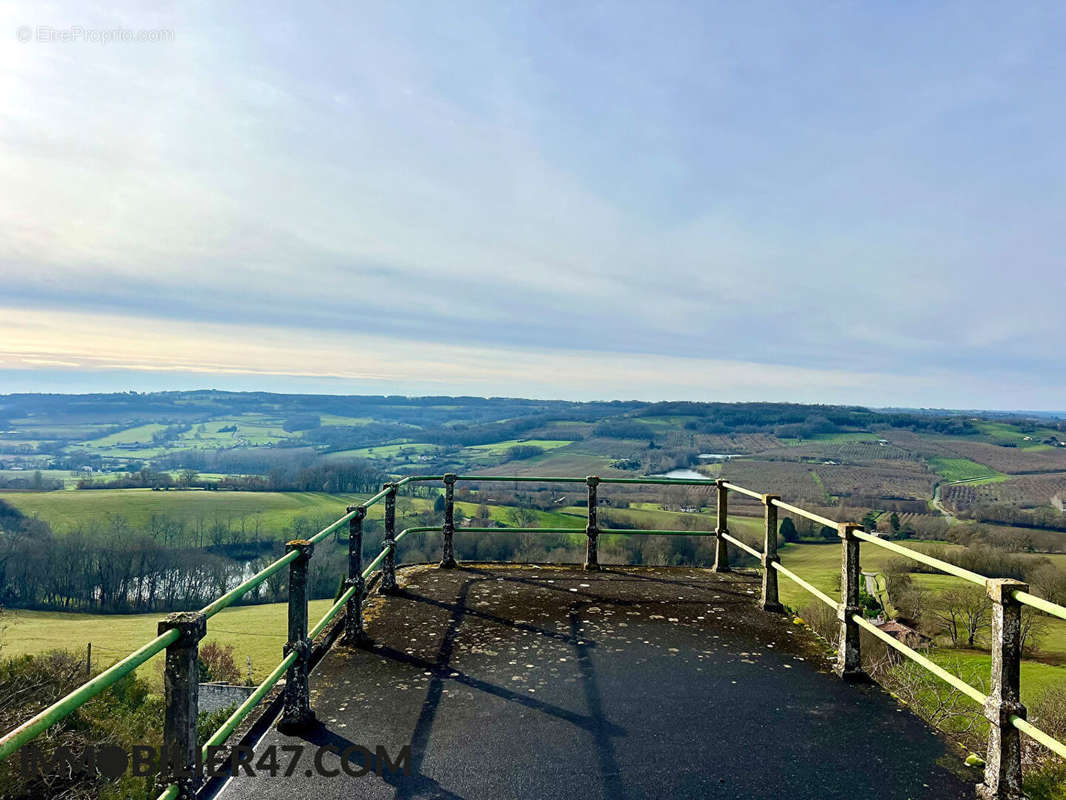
(687, 474)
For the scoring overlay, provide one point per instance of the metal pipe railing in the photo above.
(1006, 595)
(916, 555)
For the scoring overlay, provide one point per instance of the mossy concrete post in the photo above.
(354, 635)
(388, 566)
(447, 548)
(1003, 762)
(721, 549)
(181, 689)
(770, 599)
(592, 529)
(849, 654)
(296, 714)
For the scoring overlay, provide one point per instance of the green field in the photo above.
(500, 448)
(819, 564)
(385, 452)
(1037, 678)
(273, 510)
(136, 435)
(962, 469)
(1003, 433)
(256, 631)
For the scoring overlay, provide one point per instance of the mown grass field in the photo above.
(963, 469)
(256, 632)
(1037, 678)
(1002, 432)
(275, 510)
(135, 435)
(499, 448)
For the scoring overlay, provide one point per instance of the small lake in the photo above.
(687, 474)
(718, 456)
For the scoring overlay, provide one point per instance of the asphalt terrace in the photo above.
(551, 682)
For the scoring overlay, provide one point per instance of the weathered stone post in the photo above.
(296, 713)
(1003, 762)
(721, 550)
(592, 529)
(447, 552)
(770, 601)
(181, 687)
(354, 635)
(388, 567)
(849, 655)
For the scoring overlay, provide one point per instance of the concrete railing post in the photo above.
(592, 529)
(1003, 762)
(181, 688)
(770, 600)
(354, 635)
(849, 654)
(296, 713)
(721, 550)
(388, 566)
(447, 551)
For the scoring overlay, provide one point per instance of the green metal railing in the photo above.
(383, 562)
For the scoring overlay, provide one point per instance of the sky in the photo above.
(812, 202)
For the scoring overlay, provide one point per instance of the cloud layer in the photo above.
(861, 205)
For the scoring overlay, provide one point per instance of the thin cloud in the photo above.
(874, 191)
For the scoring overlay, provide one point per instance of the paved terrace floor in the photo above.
(526, 682)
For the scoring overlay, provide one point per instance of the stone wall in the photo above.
(214, 696)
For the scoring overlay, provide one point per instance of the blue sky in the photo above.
(834, 202)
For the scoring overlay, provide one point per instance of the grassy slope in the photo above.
(255, 631)
(276, 509)
(138, 434)
(963, 469)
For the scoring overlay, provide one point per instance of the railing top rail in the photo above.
(650, 481)
(831, 523)
(1040, 603)
(917, 555)
(742, 490)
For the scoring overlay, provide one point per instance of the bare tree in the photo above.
(961, 612)
(1034, 627)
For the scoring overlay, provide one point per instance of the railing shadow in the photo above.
(594, 723)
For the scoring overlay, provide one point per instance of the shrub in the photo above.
(523, 451)
(217, 663)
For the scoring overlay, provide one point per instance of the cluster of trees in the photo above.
(31, 480)
(624, 428)
(240, 461)
(337, 476)
(802, 529)
(792, 419)
(170, 433)
(165, 565)
(520, 452)
(1046, 517)
(301, 422)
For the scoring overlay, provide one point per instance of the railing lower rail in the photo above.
(181, 633)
